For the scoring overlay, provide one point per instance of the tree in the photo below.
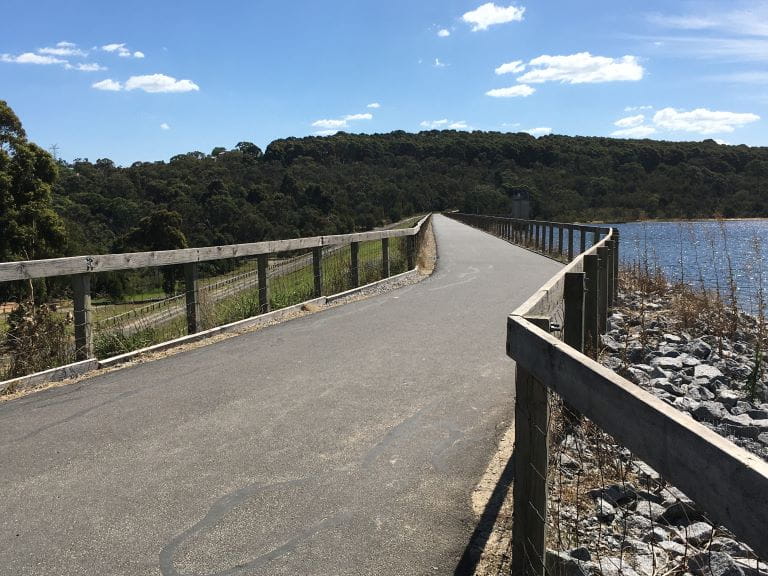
(30, 227)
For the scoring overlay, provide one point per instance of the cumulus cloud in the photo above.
(637, 108)
(489, 14)
(165, 126)
(582, 68)
(540, 131)
(64, 49)
(439, 64)
(108, 85)
(702, 120)
(85, 67)
(374, 105)
(521, 90)
(332, 125)
(160, 83)
(630, 121)
(32, 58)
(122, 50)
(443, 33)
(445, 124)
(514, 67)
(634, 132)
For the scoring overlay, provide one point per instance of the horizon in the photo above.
(150, 81)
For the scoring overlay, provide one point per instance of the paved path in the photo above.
(346, 442)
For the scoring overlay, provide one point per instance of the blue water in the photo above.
(698, 252)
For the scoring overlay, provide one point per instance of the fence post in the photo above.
(573, 320)
(317, 269)
(570, 243)
(602, 304)
(192, 298)
(582, 240)
(615, 264)
(262, 262)
(611, 276)
(560, 239)
(81, 288)
(385, 271)
(591, 336)
(595, 236)
(531, 454)
(551, 238)
(354, 267)
(410, 251)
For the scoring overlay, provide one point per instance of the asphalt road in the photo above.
(346, 442)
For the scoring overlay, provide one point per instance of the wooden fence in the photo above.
(81, 268)
(728, 482)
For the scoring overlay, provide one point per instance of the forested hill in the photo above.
(324, 185)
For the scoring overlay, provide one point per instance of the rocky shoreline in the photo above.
(628, 520)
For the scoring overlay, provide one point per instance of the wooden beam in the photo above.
(727, 481)
(354, 264)
(317, 270)
(192, 298)
(531, 454)
(385, 267)
(262, 263)
(591, 303)
(83, 316)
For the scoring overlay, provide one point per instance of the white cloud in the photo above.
(521, 90)
(438, 64)
(582, 68)
(165, 126)
(637, 108)
(109, 85)
(374, 105)
(749, 77)
(63, 49)
(86, 67)
(630, 121)
(364, 116)
(634, 132)
(513, 67)
(445, 124)
(122, 50)
(160, 83)
(332, 125)
(31, 58)
(443, 33)
(702, 120)
(489, 14)
(540, 131)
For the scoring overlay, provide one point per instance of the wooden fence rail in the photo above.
(81, 268)
(726, 481)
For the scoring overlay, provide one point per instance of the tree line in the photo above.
(346, 182)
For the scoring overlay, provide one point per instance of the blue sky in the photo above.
(140, 80)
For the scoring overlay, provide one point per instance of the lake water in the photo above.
(697, 252)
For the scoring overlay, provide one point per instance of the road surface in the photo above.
(346, 442)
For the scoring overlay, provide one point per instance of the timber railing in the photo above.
(271, 264)
(727, 482)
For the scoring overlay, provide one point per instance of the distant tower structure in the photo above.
(55, 152)
(520, 205)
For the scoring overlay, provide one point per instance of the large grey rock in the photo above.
(743, 426)
(563, 564)
(611, 344)
(581, 553)
(686, 404)
(709, 411)
(709, 376)
(674, 338)
(635, 351)
(650, 509)
(604, 510)
(698, 533)
(615, 494)
(673, 548)
(615, 566)
(636, 376)
(751, 567)
(713, 564)
(667, 363)
(730, 546)
(728, 398)
(700, 349)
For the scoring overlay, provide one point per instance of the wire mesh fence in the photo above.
(133, 309)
